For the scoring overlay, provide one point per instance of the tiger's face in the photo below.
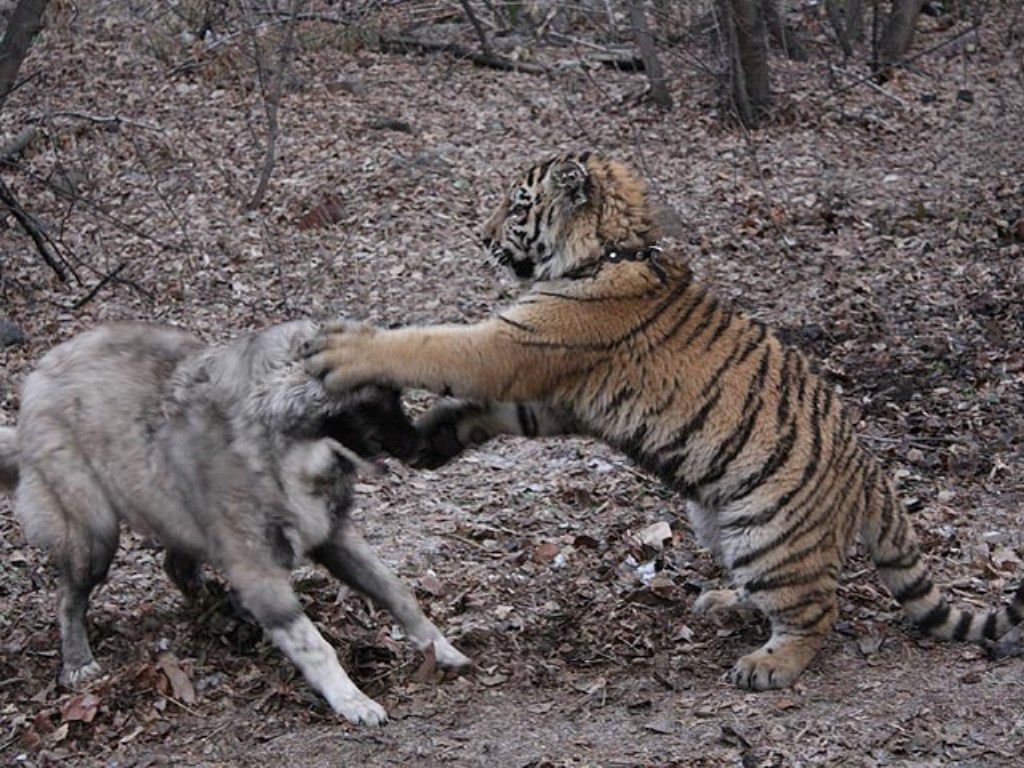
(528, 230)
(560, 216)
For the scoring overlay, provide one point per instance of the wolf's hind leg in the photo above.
(350, 558)
(264, 590)
(83, 563)
(70, 515)
(183, 570)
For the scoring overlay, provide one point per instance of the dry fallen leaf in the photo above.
(545, 552)
(427, 671)
(181, 685)
(80, 708)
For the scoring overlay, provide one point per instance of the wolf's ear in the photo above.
(573, 178)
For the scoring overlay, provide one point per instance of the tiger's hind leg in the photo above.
(801, 620)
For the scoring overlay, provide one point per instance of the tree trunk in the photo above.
(836, 10)
(649, 56)
(899, 31)
(743, 24)
(855, 20)
(784, 37)
(25, 23)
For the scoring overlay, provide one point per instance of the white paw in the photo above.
(73, 678)
(448, 656)
(360, 709)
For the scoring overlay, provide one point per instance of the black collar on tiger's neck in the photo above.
(613, 254)
(648, 254)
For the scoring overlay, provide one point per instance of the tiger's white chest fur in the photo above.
(706, 526)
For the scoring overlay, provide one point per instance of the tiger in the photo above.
(614, 338)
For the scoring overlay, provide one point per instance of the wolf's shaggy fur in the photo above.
(229, 455)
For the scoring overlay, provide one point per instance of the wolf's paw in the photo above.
(79, 676)
(448, 656)
(360, 709)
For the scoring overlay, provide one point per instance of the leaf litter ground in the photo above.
(883, 236)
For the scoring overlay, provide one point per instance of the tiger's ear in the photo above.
(573, 178)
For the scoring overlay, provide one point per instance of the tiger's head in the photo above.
(562, 215)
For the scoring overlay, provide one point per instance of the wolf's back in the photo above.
(8, 458)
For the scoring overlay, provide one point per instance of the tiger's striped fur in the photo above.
(614, 341)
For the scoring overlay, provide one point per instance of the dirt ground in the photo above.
(881, 232)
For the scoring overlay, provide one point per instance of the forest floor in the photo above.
(881, 232)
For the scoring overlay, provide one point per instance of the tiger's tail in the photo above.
(8, 458)
(888, 535)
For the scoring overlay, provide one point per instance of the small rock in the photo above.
(656, 535)
(390, 124)
(353, 87)
(11, 335)
(661, 725)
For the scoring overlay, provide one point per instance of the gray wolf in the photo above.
(227, 454)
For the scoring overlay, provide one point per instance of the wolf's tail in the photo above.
(8, 458)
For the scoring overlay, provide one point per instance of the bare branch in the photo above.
(98, 287)
(485, 45)
(274, 103)
(404, 44)
(33, 230)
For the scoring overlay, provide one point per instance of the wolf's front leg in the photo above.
(268, 596)
(350, 558)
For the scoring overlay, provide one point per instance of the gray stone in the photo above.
(10, 334)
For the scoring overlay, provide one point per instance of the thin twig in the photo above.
(100, 119)
(273, 103)
(159, 193)
(872, 85)
(285, 16)
(33, 230)
(92, 206)
(97, 288)
(902, 63)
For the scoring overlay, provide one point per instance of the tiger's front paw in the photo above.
(339, 355)
(438, 429)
